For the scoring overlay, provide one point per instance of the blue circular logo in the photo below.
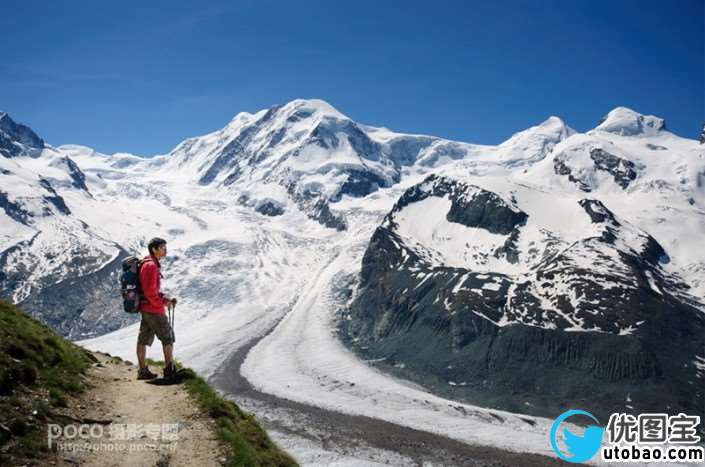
(580, 448)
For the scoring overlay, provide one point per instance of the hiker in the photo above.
(154, 319)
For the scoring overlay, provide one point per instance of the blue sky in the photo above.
(140, 77)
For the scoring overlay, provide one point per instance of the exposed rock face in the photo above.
(18, 210)
(621, 169)
(270, 209)
(561, 168)
(55, 199)
(582, 173)
(80, 298)
(83, 306)
(360, 183)
(14, 210)
(17, 139)
(78, 178)
(491, 339)
(482, 208)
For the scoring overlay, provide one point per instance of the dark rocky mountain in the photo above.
(17, 139)
(595, 323)
(82, 306)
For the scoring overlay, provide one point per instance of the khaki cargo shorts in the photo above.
(152, 324)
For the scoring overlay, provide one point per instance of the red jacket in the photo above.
(153, 300)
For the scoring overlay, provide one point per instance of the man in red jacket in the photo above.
(154, 320)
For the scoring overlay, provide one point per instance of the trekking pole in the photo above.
(171, 321)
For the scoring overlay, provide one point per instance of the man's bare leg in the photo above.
(141, 355)
(168, 354)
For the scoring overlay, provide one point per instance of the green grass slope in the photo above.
(40, 372)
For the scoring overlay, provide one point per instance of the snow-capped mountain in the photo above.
(553, 263)
(304, 155)
(53, 264)
(583, 261)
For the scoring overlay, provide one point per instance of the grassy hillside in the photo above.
(38, 369)
(41, 373)
(249, 443)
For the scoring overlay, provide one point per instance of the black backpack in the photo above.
(130, 284)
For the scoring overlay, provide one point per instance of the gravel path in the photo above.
(120, 406)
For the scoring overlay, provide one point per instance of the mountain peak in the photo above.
(17, 139)
(553, 120)
(314, 106)
(293, 111)
(554, 126)
(627, 122)
(550, 131)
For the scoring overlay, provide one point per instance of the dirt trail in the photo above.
(141, 424)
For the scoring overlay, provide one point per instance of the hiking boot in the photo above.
(144, 373)
(169, 371)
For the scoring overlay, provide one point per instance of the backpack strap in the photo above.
(144, 260)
